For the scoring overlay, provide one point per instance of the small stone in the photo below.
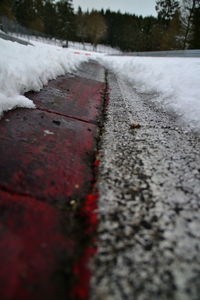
(146, 224)
(135, 125)
(148, 246)
(72, 202)
(128, 231)
(56, 122)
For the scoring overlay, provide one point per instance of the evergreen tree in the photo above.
(195, 41)
(6, 8)
(166, 10)
(95, 27)
(65, 27)
(50, 18)
(135, 33)
(81, 25)
(147, 36)
(38, 23)
(157, 36)
(172, 37)
(24, 12)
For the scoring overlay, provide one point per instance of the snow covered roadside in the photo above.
(176, 80)
(25, 68)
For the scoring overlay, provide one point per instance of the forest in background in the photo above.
(177, 25)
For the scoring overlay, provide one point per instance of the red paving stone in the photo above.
(72, 96)
(44, 159)
(32, 249)
(47, 171)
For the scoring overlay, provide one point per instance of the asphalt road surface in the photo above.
(149, 184)
(148, 238)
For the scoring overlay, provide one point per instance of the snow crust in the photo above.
(25, 68)
(176, 81)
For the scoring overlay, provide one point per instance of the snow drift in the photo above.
(25, 68)
(175, 80)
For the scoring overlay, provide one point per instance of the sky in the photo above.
(138, 7)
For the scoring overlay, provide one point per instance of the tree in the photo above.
(166, 10)
(24, 12)
(37, 22)
(157, 36)
(195, 40)
(49, 14)
(169, 23)
(147, 31)
(95, 27)
(187, 13)
(113, 35)
(6, 8)
(81, 25)
(65, 20)
(172, 37)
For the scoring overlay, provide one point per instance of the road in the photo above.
(149, 184)
(148, 236)
(170, 53)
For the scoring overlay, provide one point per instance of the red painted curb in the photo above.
(47, 212)
(46, 156)
(81, 268)
(32, 247)
(73, 97)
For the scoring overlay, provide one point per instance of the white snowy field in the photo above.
(175, 80)
(72, 45)
(25, 68)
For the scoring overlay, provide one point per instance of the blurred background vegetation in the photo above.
(177, 25)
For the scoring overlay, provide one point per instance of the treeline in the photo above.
(54, 18)
(177, 25)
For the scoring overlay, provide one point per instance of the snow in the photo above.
(73, 45)
(25, 68)
(174, 80)
(47, 132)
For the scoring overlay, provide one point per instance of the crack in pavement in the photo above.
(66, 116)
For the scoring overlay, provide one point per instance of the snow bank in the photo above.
(73, 45)
(176, 80)
(25, 68)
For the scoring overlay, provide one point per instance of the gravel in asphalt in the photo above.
(149, 184)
